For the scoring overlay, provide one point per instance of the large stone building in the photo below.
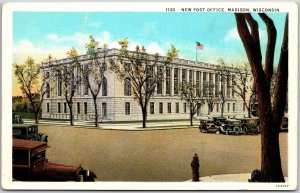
(116, 104)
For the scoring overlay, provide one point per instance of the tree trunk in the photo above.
(144, 114)
(191, 117)
(96, 112)
(208, 109)
(249, 109)
(222, 109)
(271, 162)
(36, 117)
(71, 114)
(270, 152)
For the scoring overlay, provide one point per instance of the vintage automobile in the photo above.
(284, 124)
(30, 164)
(29, 132)
(232, 126)
(219, 121)
(17, 119)
(207, 126)
(250, 125)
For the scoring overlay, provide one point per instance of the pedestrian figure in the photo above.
(195, 168)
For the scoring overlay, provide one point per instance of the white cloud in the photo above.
(26, 48)
(103, 38)
(153, 48)
(78, 38)
(232, 34)
(59, 45)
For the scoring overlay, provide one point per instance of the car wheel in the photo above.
(236, 130)
(246, 129)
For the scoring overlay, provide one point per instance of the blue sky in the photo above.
(38, 34)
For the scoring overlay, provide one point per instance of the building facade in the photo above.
(115, 102)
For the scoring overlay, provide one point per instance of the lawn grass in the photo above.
(26, 115)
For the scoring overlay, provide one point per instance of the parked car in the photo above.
(30, 164)
(17, 119)
(250, 125)
(232, 126)
(219, 121)
(284, 124)
(29, 132)
(207, 126)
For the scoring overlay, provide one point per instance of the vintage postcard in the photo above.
(149, 96)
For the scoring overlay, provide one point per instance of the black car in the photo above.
(29, 132)
(250, 125)
(232, 126)
(208, 126)
(284, 124)
(17, 119)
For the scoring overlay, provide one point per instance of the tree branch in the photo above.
(280, 93)
(272, 34)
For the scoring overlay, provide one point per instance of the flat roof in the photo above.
(27, 144)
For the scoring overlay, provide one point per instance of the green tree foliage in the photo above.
(93, 72)
(32, 83)
(70, 78)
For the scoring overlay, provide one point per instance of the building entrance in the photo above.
(104, 111)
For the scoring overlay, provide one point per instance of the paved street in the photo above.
(156, 155)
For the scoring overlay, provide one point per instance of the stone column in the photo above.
(213, 81)
(200, 81)
(180, 75)
(187, 72)
(195, 76)
(155, 72)
(164, 82)
(172, 81)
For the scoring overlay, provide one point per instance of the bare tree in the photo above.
(68, 80)
(270, 117)
(139, 68)
(223, 72)
(240, 86)
(208, 96)
(193, 98)
(33, 84)
(93, 72)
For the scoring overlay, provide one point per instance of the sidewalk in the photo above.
(228, 178)
(131, 126)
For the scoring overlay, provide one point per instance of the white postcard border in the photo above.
(9, 8)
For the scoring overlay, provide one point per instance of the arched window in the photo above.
(48, 91)
(127, 87)
(104, 87)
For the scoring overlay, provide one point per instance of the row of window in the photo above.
(127, 107)
(159, 87)
(85, 88)
(169, 108)
(127, 84)
(65, 107)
